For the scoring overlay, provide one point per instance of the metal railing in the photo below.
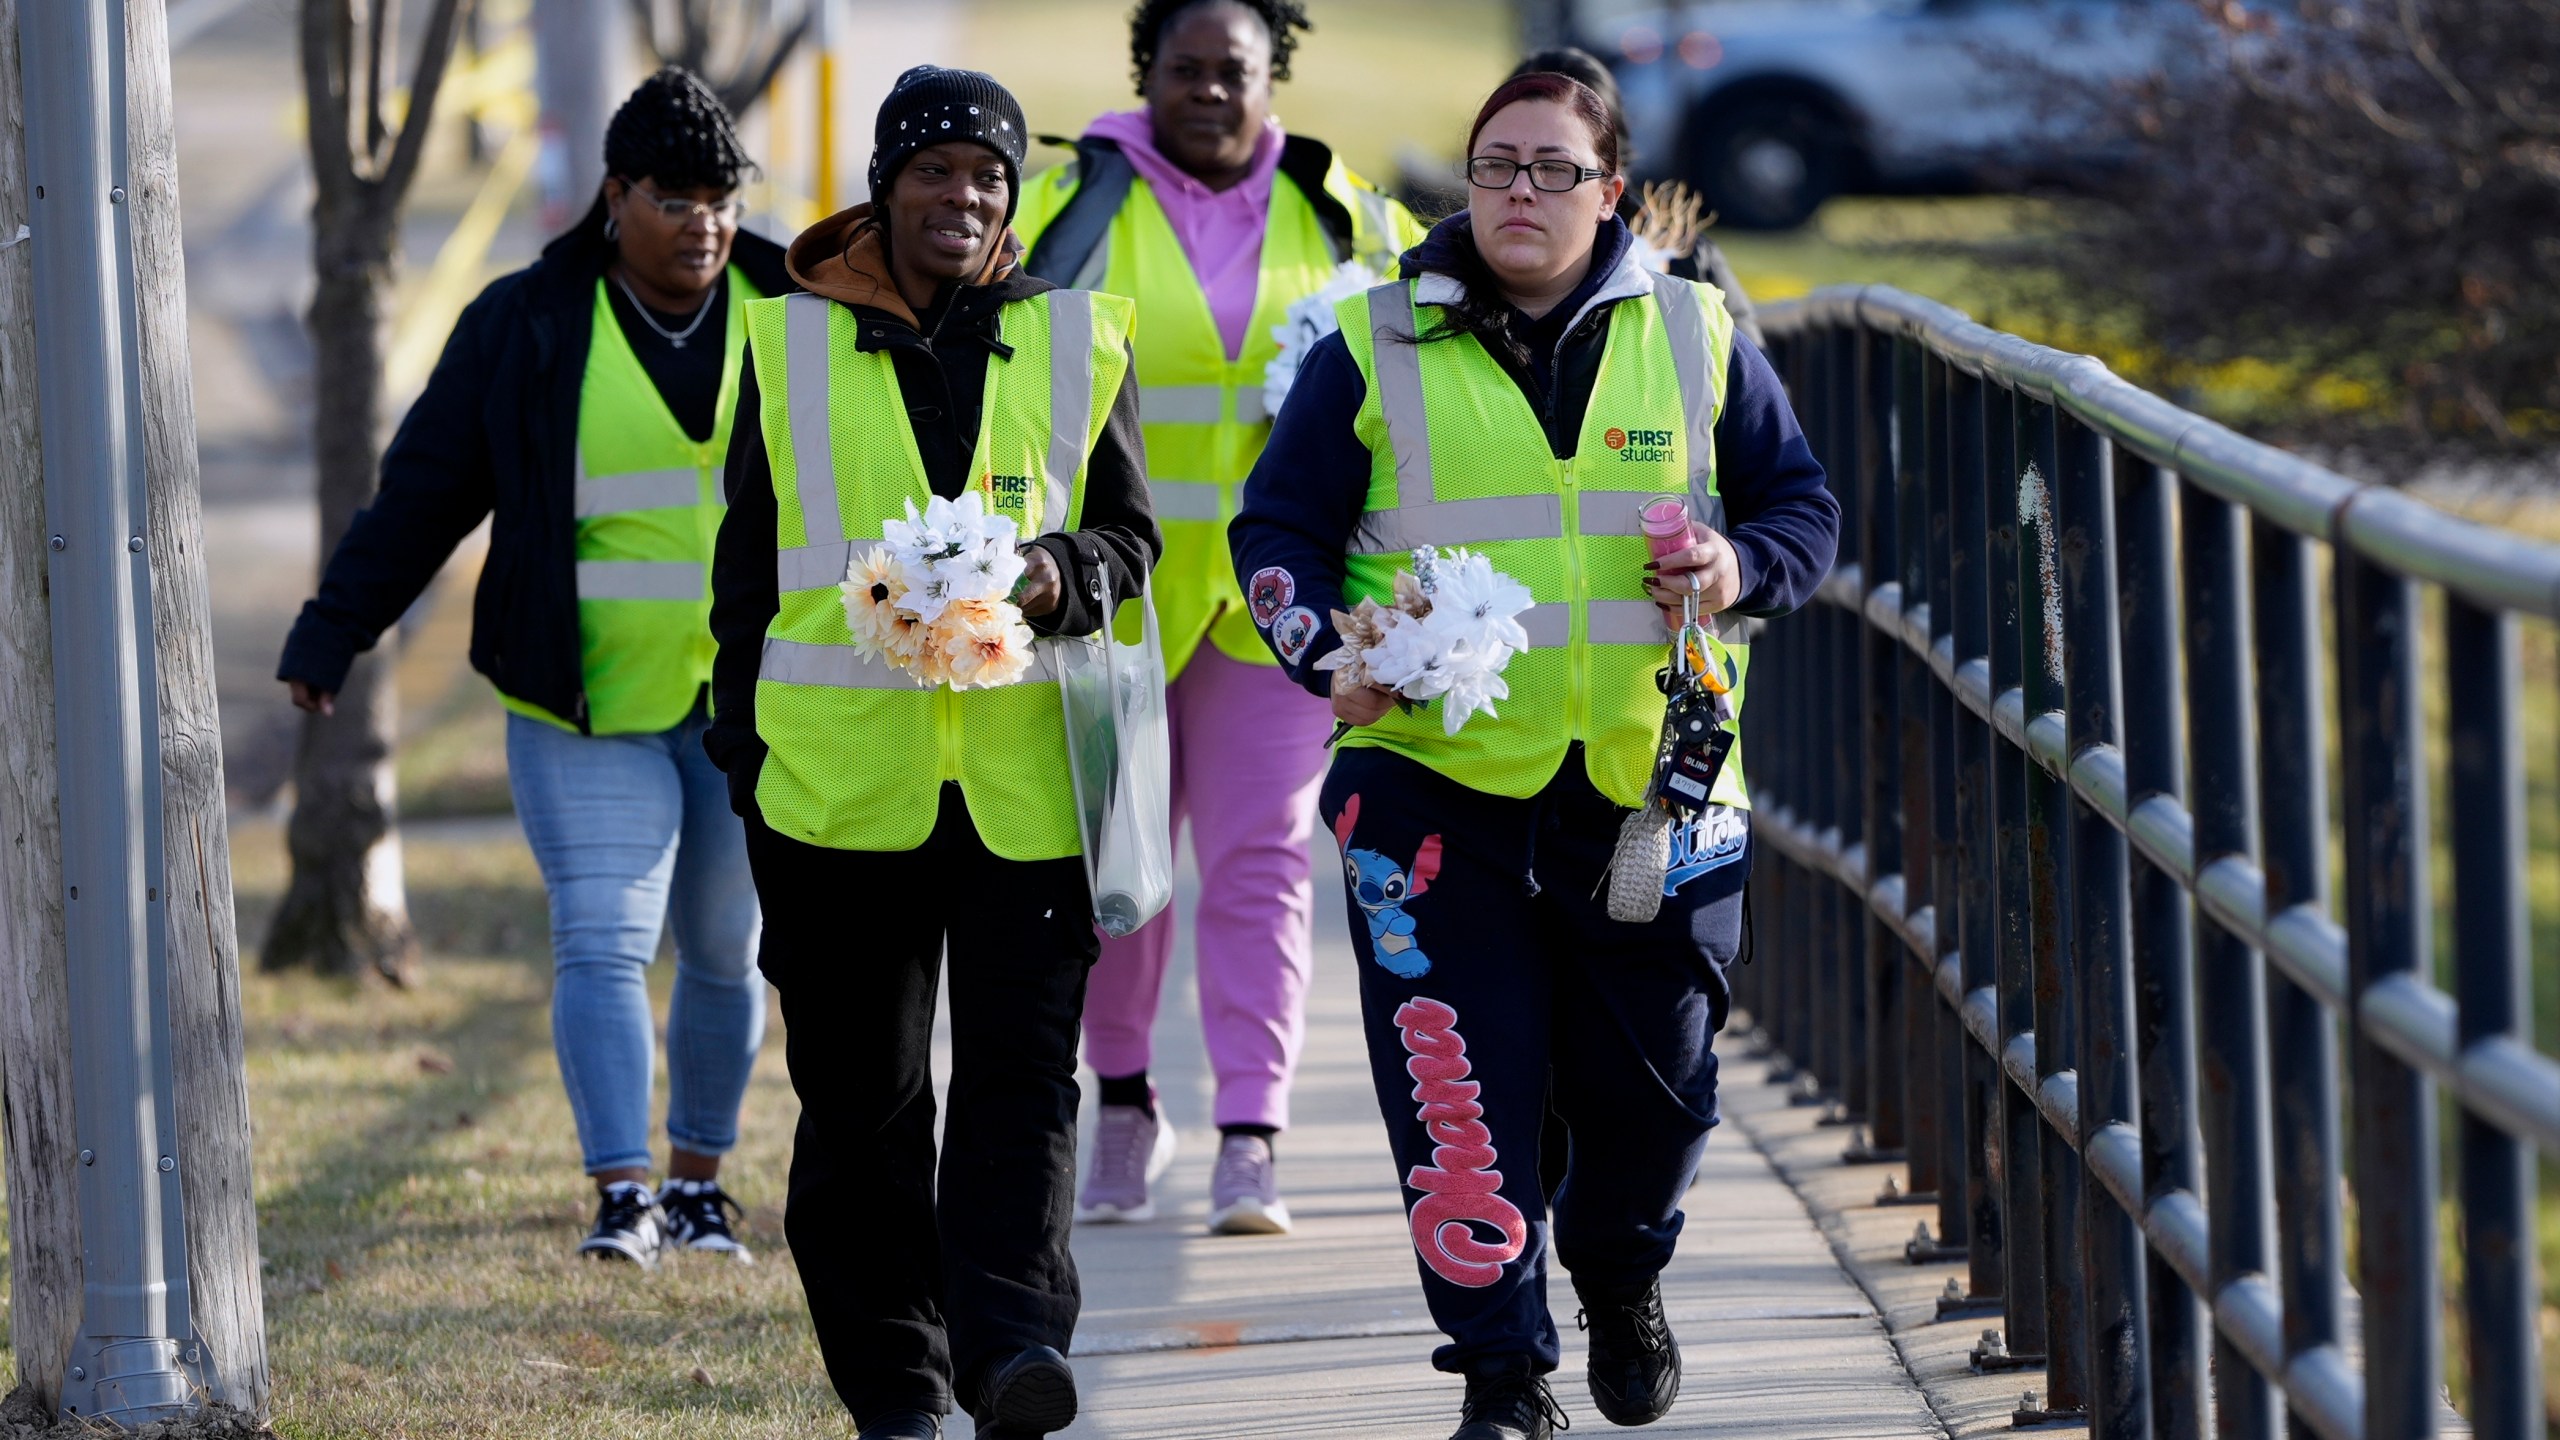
(2045, 905)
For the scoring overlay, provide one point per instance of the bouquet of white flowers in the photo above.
(936, 600)
(1453, 627)
(1309, 319)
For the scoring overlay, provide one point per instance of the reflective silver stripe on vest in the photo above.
(1070, 398)
(841, 667)
(1198, 405)
(1480, 521)
(1621, 512)
(809, 404)
(636, 490)
(1684, 316)
(640, 580)
(1382, 227)
(813, 567)
(1182, 404)
(1183, 499)
(1398, 362)
(1613, 622)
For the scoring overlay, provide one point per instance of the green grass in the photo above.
(419, 1194)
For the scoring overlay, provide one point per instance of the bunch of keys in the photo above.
(1695, 739)
(1694, 745)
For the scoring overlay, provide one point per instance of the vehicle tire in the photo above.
(1643, 857)
(1767, 162)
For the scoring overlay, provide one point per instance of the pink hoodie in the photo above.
(1220, 230)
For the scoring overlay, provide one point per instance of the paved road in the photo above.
(1188, 1336)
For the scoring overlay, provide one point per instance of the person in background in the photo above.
(585, 403)
(1708, 261)
(1522, 393)
(1216, 221)
(898, 831)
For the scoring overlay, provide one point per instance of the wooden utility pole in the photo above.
(346, 910)
(190, 900)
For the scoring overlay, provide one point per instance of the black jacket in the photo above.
(941, 363)
(496, 430)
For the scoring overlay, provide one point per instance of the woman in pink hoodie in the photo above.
(1216, 222)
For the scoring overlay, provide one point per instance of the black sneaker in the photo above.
(1509, 1404)
(1027, 1396)
(698, 1214)
(1635, 1363)
(628, 1226)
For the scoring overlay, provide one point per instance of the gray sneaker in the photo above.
(1244, 1191)
(1131, 1148)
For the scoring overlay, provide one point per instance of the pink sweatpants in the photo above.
(1248, 755)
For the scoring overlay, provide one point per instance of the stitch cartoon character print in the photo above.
(1382, 888)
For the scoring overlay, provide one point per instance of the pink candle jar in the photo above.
(1665, 522)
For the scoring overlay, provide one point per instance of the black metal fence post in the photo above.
(2051, 899)
(1877, 1073)
(2230, 976)
(1912, 983)
(2021, 1120)
(2387, 939)
(2164, 1007)
(2493, 989)
(2293, 789)
(1986, 1173)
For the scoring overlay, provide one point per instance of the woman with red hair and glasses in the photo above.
(1522, 392)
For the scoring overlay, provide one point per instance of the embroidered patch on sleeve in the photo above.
(1293, 632)
(1272, 591)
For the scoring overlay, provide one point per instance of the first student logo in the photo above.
(1640, 447)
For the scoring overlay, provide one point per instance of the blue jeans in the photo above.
(634, 832)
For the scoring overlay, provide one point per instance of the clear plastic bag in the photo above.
(1112, 691)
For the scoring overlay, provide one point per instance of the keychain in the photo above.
(1691, 755)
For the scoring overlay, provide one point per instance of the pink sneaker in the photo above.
(1131, 1148)
(1244, 1191)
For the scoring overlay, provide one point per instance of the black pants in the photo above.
(911, 1285)
(1489, 968)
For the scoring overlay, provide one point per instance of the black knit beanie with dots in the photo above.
(930, 105)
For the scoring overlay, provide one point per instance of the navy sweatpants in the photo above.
(1488, 965)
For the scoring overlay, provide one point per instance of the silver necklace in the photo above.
(672, 337)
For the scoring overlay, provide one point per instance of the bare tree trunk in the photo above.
(346, 911)
(202, 949)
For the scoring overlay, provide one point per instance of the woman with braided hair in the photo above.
(1220, 225)
(584, 404)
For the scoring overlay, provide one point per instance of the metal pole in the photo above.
(577, 82)
(127, 1365)
(828, 189)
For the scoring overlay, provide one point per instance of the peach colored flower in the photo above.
(872, 588)
(986, 645)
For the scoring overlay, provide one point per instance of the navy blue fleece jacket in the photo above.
(1305, 495)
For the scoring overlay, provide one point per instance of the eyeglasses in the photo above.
(726, 214)
(1492, 172)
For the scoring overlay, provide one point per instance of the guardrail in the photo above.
(2076, 958)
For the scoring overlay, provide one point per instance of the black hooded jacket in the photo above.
(494, 433)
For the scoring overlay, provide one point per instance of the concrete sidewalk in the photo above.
(1188, 1336)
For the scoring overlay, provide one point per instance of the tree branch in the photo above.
(382, 18)
(434, 53)
(332, 164)
(750, 83)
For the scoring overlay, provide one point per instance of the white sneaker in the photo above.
(1244, 1191)
(1131, 1149)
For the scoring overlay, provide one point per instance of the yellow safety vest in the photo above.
(857, 749)
(1204, 415)
(1458, 458)
(648, 506)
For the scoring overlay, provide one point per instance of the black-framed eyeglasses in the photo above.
(1493, 172)
(724, 213)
